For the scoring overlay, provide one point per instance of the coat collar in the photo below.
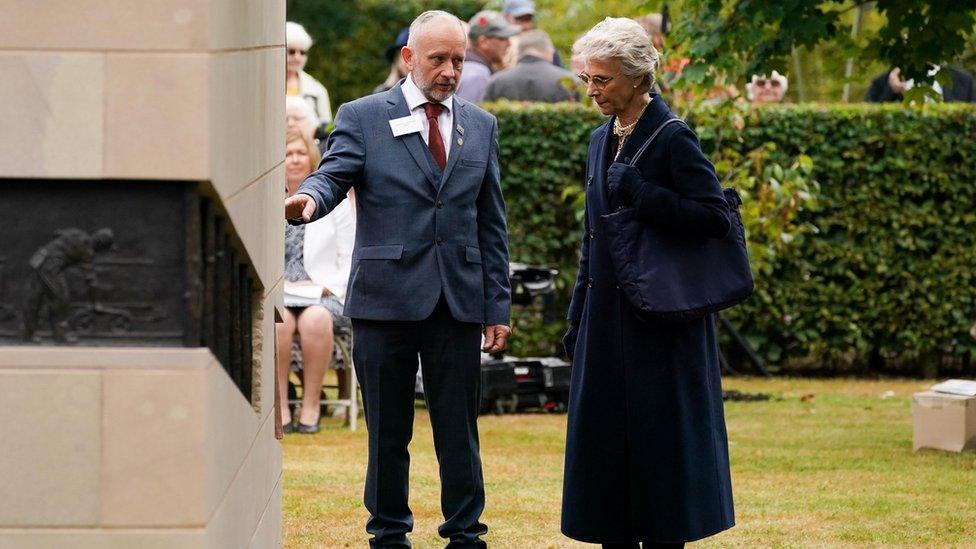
(415, 97)
(654, 115)
(415, 143)
(461, 108)
(529, 59)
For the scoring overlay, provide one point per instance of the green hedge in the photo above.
(882, 278)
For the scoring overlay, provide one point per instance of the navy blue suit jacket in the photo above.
(420, 233)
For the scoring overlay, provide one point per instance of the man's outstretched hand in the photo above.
(299, 206)
(495, 337)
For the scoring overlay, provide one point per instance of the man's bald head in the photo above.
(433, 22)
(434, 53)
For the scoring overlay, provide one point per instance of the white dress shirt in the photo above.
(415, 102)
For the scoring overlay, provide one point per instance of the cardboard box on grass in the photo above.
(944, 417)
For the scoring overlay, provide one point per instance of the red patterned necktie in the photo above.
(434, 140)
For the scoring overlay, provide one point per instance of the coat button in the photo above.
(589, 181)
(592, 232)
(439, 240)
(589, 282)
(440, 204)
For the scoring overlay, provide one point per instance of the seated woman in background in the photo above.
(321, 268)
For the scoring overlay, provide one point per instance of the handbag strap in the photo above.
(644, 147)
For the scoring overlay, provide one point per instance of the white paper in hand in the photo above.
(302, 295)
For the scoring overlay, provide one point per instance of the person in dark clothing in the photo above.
(647, 459)
(890, 87)
(534, 77)
(71, 248)
(521, 13)
(488, 43)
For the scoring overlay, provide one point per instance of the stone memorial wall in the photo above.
(141, 183)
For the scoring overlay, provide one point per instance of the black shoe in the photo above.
(288, 428)
(308, 429)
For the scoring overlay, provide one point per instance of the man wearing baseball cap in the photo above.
(520, 12)
(488, 43)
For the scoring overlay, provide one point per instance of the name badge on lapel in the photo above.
(405, 125)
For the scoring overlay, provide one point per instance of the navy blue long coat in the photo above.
(646, 451)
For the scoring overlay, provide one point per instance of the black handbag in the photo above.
(676, 277)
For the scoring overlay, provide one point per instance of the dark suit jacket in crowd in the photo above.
(420, 233)
(962, 88)
(531, 79)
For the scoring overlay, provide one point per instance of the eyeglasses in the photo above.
(761, 82)
(527, 18)
(599, 82)
(296, 51)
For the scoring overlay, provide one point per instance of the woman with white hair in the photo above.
(646, 449)
(767, 90)
(299, 116)
(300, 83)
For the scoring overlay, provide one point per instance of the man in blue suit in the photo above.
(429, 272)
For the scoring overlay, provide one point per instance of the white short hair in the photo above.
(296, 35)
(624, 40)
(300, 104)
(424, 19)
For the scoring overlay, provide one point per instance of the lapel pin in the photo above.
(460, 141)
(460, 129)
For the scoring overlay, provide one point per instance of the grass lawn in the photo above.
(824, 463)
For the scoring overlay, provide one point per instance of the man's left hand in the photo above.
(495, 337)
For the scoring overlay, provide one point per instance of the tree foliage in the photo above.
(728, 39)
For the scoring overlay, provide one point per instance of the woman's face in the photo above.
(612, 92)
(295, 118)
(296, 58)
(767, 90)
(297, 164)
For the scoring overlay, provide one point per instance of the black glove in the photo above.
(569, 340)
(625, 181)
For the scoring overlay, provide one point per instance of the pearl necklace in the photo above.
(623, 132)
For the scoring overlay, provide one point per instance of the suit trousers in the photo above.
(386, 356)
